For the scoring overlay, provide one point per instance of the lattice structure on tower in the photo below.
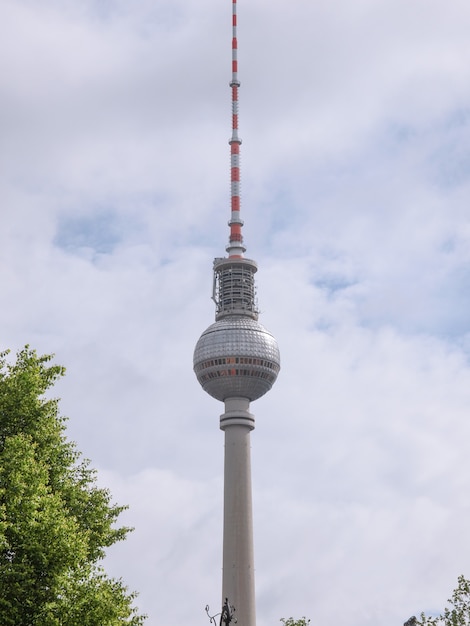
(234, 291)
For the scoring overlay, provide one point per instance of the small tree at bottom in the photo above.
(458, 614)
(290, 621)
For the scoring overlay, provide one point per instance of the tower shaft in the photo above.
(238, 579)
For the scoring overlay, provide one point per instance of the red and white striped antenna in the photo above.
(235, 247)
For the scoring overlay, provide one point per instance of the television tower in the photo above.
(236, 360)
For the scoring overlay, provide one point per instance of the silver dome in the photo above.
(236, 357)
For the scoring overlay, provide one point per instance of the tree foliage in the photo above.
(55, 522)
(458, 613)
(290, 621)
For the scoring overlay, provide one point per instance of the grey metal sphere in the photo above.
(236, 357)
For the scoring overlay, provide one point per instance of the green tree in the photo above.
(290, 621)
(55, 523)
(458, 614)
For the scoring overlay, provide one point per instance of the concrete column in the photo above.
(238, 584)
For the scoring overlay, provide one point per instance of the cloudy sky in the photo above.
(114, 182)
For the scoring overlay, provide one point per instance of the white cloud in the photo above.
(355, 177)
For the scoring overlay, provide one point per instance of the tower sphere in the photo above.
(236, 357)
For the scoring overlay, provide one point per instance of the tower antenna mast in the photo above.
(235, 247)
